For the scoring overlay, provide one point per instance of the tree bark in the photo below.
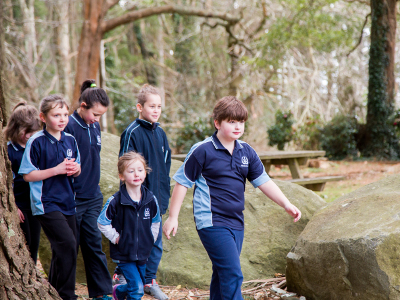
(61, 35)
(380, 140)
(19, 278)
(95, 26)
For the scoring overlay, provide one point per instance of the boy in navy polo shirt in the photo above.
(219, 167)
(145, 136)
(51, 160)
(84, 126)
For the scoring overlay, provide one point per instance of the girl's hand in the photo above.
(72, 167)
(117, 240)
(21, 216)
(61, 168)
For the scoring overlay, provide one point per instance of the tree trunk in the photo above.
(95, 26)
(19, 278)
(380, 140)
(61, 35)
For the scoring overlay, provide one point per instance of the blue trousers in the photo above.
(89, 239)
(155, 258)
(223, 246)
(134, 275)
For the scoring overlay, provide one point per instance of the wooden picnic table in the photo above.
(294, 159)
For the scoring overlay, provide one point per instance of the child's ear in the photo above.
(139, 107)
(216, 124)
(83, 105)
(121, 177)
(41, 116)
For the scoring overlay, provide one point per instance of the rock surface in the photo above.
(269, 235)
(351, 248)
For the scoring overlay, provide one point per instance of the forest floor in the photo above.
(358, 174)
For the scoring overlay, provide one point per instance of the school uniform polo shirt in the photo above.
(42, 152)
(20, 186)
(88, 137)
(220, 180)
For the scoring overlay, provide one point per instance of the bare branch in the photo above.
(361, 35)
(110, 4)
(359, 1)
(147, 12)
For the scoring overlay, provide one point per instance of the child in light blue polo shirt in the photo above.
(219, 167)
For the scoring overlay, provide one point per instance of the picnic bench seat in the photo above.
(316, 183)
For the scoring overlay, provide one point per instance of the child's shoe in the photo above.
(118, 279)
(154, 290)
(104, 297)
(114, 294)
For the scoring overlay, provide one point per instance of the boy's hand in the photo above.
(293, 211)
(170, 225)
(117, 240)
(21, 216)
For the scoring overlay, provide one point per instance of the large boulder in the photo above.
(269, 235)
(351, 248)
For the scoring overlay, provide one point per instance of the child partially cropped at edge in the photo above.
(219, 167)
(23, 123)
(131, 221)
(145, 136)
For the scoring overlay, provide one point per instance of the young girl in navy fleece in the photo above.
(23, 123)
(84, 126)
(51, 160)
(131, 220)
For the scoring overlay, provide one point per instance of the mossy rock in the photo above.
(351, 248)
(269, 232)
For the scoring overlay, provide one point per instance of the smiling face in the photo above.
(93, 114)
(56, 119)
(134, 174)
(151, 109)
(229, 131)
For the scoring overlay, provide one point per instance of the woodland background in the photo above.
(304, 62)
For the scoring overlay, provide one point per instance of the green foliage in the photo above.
(381, 141)
(282, 132)
(192, 133)
(308, 136)
(338, 137)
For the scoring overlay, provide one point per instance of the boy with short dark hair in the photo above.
(219, 167)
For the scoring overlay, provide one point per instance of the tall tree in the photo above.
(19, 278)
(95, 25)
(380, 139)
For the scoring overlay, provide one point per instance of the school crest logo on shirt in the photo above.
(147, 213)
(245, 160)
(69, 153)
(98, 140)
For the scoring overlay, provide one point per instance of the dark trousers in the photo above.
(154, 258)
(89, 237)
(134, 275)
(60, 229)
(31, 228)
(223, 246)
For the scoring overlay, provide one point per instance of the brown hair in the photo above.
(90, 94)
(24, 118)
(130, 157)
(229, 108)
(145, 90)
(52, 101)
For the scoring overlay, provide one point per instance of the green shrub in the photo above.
(308, 136)
(192, 133)
(338, 137)
(282, 132)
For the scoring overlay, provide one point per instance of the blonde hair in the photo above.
(24, 119)
(130, 157)
(52, 101)
(146, 90)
